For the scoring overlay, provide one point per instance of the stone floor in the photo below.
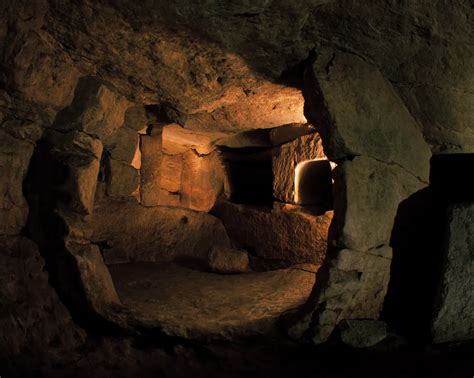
(194, 304)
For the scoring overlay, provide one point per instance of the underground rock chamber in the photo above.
(166, 204)
(153, 227)
(194, 234)
(219, 257)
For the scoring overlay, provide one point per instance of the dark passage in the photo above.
(249, 171)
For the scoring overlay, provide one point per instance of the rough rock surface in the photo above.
(122, 179)
(95, 110)
(202, 181)
(383, 159)
(367, 195)
(360, 113)
(154, 233)
(205, 62)
(228, 260)
(136, 118)
(41, 71)
(266, 137)
(79, 154)
(352, 286)
(285, 160)
(178, 140)
(171, 170)
(266, 105)
(123, 144)
(35, 327)
(93, 275)
(454, 316)
(188, 180)
(60, 187)
(288, 133)
(150, 171)
(181, 168)
(207, 306)
(362, 333)
(275, 234)
(202, 55)
(15, 156)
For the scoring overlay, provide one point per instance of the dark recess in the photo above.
(250, 175)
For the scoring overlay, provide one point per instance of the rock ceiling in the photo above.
(219, 66)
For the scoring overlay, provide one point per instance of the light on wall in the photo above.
(313, 182)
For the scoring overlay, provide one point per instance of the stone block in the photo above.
(171, 169)
(95, 110)
(367, 195)
(202, 181)
(276, 234)
(122, 179)
(150, 171)
(362, 333)
(358, 112)
(155, 233)
(454, 311)
(80, 156)
(93, 275)
(228, 260)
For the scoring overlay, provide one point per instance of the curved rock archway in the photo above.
(94, 93)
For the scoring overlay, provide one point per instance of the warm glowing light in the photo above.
(312, 178)
(137, 157)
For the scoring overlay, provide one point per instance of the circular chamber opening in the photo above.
(195, 232)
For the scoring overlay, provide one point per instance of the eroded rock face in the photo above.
(382, 160)
(171, 171)
(178, 140)
(203, 57)
(60, 187)
(181, 168)
(122, 179)
(202, 181)
(37, 329)
(362, 333)
(228, 260)
(454, 316)
(285, 160)
(123, 144)
(151, 168)
(352, 285)
(367, 195)
(266, 105)
(15, 156)
(79, 154)
(93, 275)
(155, 233)
(290, 237)
(360, 113)
(41, 71)
(95, 110)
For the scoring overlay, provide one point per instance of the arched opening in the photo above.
(164, 224)
(313, 183)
